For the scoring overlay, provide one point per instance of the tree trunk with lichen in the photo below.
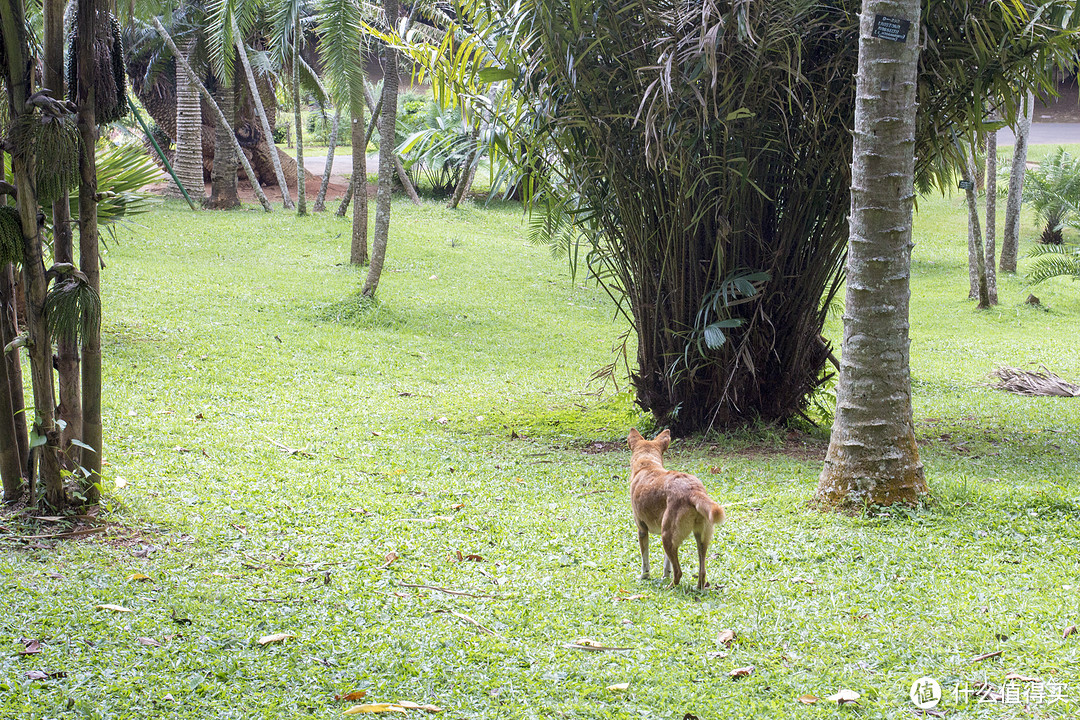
(873, 457)
(387, 155)
(1010, 241)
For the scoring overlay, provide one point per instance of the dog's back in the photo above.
(670, 504)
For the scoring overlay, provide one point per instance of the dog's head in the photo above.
(639, 445)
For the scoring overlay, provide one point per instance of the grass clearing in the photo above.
(456, 417)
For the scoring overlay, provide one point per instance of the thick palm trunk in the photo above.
(11, 461)
(67, 350)
(301, 196)
(1010, 241)
(991, 217)
(320, 198)
(387, 155)
(361, 157)
(219, 118)
(90, 457)
(223, 189)
(873, 457)
(264, 122)
(188, 162)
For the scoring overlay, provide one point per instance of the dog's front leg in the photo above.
(643, 540)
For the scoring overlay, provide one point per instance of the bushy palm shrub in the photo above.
(1053, 192)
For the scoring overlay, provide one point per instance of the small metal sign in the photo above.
(965, 185)
(890, 28)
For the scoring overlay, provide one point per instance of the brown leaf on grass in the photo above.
(30, 646)
(457, 506)
(389, 559)
(43, 675)
(741, 672)
(726, 637)
(1013, 675)
(1071, 630)
(844, 696)
(619, 686)
(114, 608)
(375, 708)
(139, 577)
(410, 705)
(149, 642)
(714, 470)
(624, 598)
(592, 646)
(351, 696)
(275, 638)
(475, 558)
(808, 699)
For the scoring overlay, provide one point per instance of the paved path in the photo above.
(316, 162)
(1043, 134)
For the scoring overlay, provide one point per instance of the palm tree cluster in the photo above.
(1053, 192)
(698, 156)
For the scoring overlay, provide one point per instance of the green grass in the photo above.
(457, 416)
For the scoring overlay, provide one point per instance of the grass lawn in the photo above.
(282, 461)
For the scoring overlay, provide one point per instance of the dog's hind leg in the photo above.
(671, 558)
(643, 540)
(702, 548)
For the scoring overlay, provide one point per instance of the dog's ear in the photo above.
(633, 438)
(664, 439)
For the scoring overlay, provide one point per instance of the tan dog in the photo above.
(668, 504)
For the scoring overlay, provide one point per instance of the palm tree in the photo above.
(1054, 261)
(1053, 191)
(387, 155)
(1010, 241)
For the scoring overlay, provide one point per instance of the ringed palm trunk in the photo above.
(873, 457)
(977, 260)
(264, 122)
(188, 163)
(67, 350)
(991, 216)
(358, 248)
(1010, 241)
(387, 155)
(301, 199)
(223, 189)
(90, 16)
(11, 463)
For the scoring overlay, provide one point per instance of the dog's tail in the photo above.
(709, 508)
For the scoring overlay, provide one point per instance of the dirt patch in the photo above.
(604, 446)
(334, 191)
(794, 445)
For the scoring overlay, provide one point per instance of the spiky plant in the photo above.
(110, 103)
(72, 308)
(1053, 192)
(1054, 261)
(52, 140)
(10, 235)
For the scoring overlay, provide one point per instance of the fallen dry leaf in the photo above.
(30, 646)
(726, 637)
(629, 597)
(138, 577)
(442, 421)
(114, 608)
(741, 672)
(389, 559)
(351, 696)
(1012, 675)
(592, 645)
(276, 638)
(42, 675)
(410, 705)
(619, 686)
(475, 558)
(808, 699)
(844, 696)
(457, 506)
(149, 642)
(374, 708)
(1071, 630)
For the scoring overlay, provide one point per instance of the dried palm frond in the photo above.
(72, 308)
(11, 238)
(52, 141)
(1041, 383)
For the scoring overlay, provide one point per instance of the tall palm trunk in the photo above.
(11, 464)
(9, 329)
(301, 198)
(188, 163)
(976, 259)
(872, 456)
(362, 158)
(991, 215)
(223, 189)
(320, 198)
(358, 248)
(91, 15)
(67, 349)
(1010, 241)
(387, 154)
(260, 111)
